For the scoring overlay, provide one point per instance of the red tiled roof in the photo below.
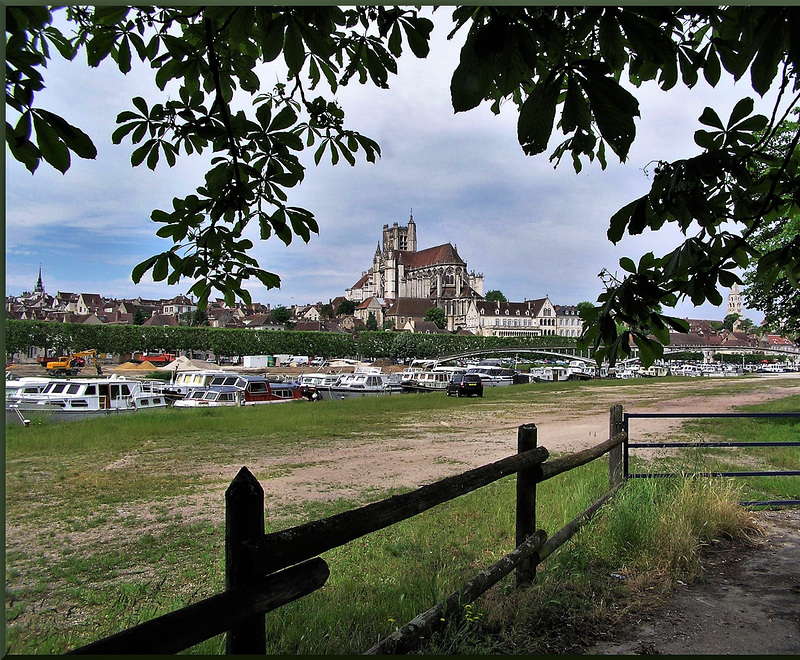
(441, 254)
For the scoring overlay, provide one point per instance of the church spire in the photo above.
(39, 284)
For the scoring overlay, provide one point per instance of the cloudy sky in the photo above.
(532, 230)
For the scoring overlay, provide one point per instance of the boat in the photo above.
(492, 375)
(25, 385)
(186, 382)
(310, 384)
(364, 381)
(428, 381)
(549, 374)
(238, 390)
(67, 399)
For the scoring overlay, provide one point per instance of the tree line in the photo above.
(60, 338)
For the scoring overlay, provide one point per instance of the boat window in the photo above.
(258, 387)
(119, 390)
(91, 389)
(57, 388)
(73, 388)
(226, 396)
(79, 403)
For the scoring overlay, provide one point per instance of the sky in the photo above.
(530, 229)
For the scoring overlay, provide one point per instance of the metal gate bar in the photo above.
(766, 473)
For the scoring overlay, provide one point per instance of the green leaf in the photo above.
(621, 219)
(139, 154)
(712, 69)
(613, 108)
(471, 80)
(576, 113)
(142, 268)
(711, 118)
(741, 110)
(293, 50)
(161, 267)
(536, 117)
(764, 68)
(418, 33)
(53, 150)
(74, 138)
(283, 120)
(708, 140)
(124, 55)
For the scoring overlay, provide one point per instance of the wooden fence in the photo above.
(265, 571)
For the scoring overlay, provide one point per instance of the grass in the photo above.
(100, 535)
(737, 459)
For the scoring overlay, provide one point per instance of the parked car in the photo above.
(465, 385)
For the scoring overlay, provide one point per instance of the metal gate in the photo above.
(655, 445)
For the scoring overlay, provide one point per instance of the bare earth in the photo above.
(748, 603)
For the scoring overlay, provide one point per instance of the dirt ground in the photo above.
(747, 604)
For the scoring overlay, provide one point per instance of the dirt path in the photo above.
(748, 603)
(433, 449)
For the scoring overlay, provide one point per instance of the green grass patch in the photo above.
(98, 538)
(741, 459)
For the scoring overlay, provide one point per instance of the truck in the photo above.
(70, 365)
(159, 359)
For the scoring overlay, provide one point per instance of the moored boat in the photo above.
(428, 381)
(493, 376)
(186, 382)
(237, 390)
(364, 381)
(67, 399)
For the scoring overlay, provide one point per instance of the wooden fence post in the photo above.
(244, 521)
(615, 455)
(527, 438)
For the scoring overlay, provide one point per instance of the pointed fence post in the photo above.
(527, 438)
(615, 425)
(244, 521)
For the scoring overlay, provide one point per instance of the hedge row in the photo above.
(63, 338)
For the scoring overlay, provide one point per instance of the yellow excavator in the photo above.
(70, 365)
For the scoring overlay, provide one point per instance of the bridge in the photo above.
(573, 353)
(558, 352)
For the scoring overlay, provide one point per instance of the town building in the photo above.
(531, 318)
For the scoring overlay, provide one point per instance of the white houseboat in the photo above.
(66, 399)
(364, 381)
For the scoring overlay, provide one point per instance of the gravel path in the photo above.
(748, 603)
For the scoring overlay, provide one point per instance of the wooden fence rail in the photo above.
(266, 571)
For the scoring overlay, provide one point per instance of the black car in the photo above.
(465, 385)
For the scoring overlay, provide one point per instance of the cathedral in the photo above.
(399, 270)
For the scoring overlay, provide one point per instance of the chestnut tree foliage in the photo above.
(562, 67)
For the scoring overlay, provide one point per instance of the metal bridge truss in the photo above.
(560, 352)
(573, 353)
